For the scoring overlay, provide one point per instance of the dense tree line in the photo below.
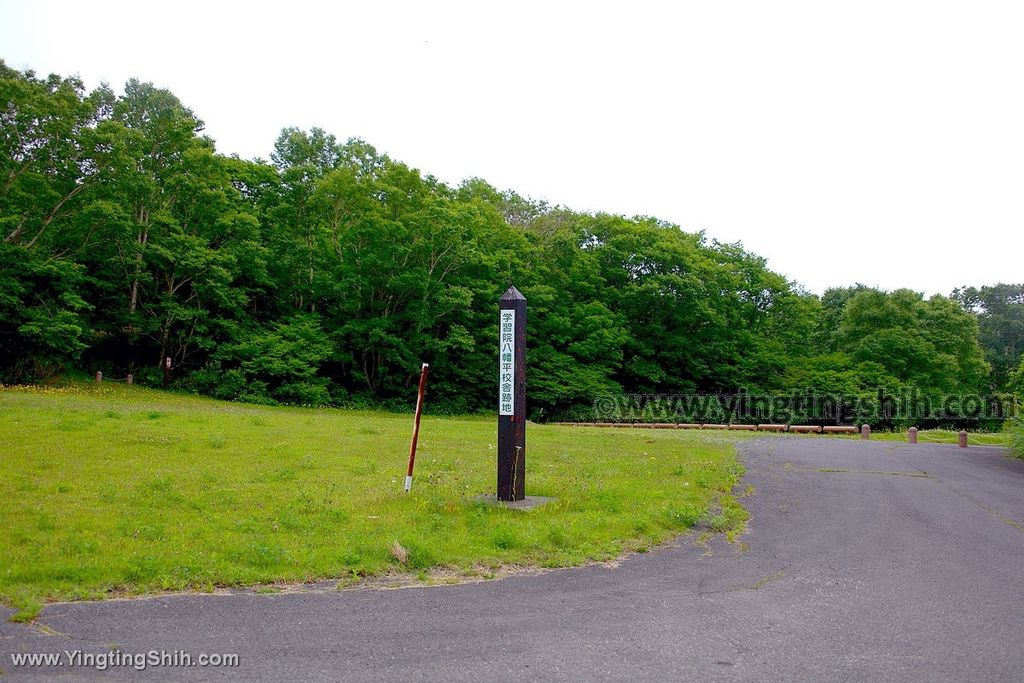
(328, 274)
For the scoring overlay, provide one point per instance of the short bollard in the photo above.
(865, 431)
(128, 379)
(963, 439)
(912, 435)
(99, 377)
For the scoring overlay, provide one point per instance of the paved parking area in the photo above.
(863, 561)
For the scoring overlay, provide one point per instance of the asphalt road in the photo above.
(865, 561)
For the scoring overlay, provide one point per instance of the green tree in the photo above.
(169, 243)
(279, 364)
(1000, 312)
(1016, 380)
(932, 344)
(43, 328)
(331, 273)
(49, 157)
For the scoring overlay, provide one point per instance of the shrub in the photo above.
(1017, 437)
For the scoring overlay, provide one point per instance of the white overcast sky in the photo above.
(879, 142)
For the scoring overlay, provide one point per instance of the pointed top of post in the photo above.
(512, 294)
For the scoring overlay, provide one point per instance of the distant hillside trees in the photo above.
(1000, 311)
(328, 274)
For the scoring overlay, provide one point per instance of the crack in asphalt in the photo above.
(1019, 526)
(920, 474)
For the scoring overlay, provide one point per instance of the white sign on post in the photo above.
(506, 363)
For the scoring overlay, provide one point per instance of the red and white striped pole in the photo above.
(416, 426)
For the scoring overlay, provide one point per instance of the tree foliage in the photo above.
(328, 274)
(1000, 312)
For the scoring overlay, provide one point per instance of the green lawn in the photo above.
(943, 436)
(120, 490)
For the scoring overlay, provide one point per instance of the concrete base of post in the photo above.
(912, 435)
(525, 504)
(865, 431)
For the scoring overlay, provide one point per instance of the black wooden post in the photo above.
(512, 396)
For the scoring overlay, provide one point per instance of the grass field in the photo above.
(1001, 439)
(110, 489)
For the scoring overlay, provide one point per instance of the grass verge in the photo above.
(1016, 431)
(113, 489)
(1001, 439)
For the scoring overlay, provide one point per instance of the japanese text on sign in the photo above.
(506, 363)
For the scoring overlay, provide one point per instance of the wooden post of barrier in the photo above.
(512, 396)
(99, 377)
(424, 371)
(129, 378)
(963, 439)
(912, 435)
(865, 431)
(167, 370)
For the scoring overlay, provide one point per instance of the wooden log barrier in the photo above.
(805, 429)
(834, 429)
